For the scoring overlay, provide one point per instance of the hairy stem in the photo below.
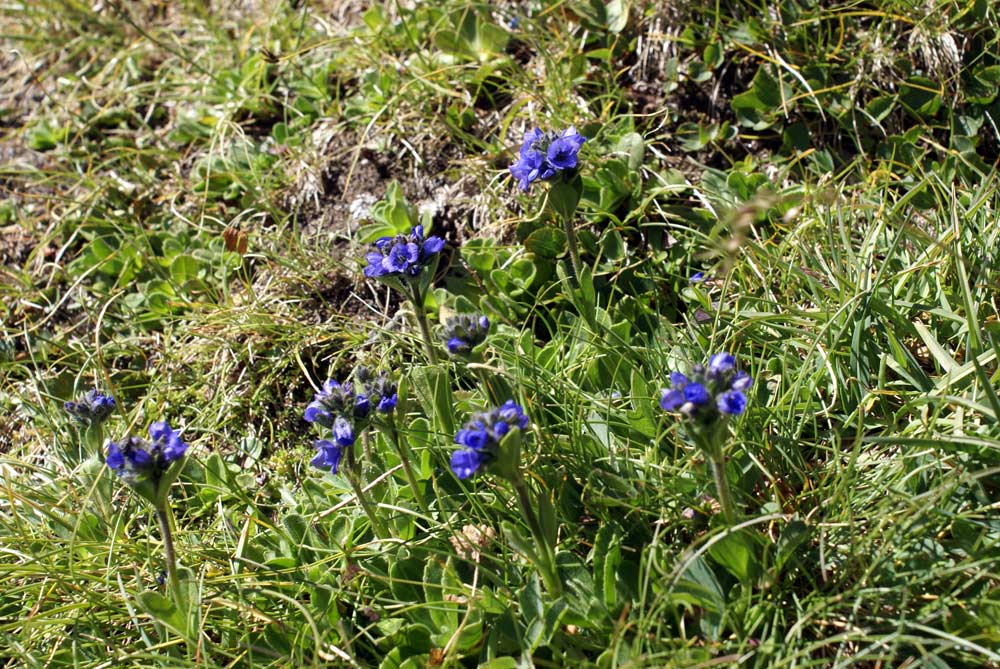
(574, 251)
(545, 551)
(417, 300)
(166, 532)
(717, 463)
(403, 450)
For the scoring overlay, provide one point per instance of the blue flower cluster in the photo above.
(708, 392)
(402, 256)
(134, 459)
(344, 410)
(463, 332)
(545, 154)
(92, 409)
(481, 437)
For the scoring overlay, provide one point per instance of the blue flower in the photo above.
(562, 152)
(530, 167)
(333, 400)
(672, 400)
(474, 435)
(463, 332)
(481, 436)
(741, 381)
(697, 394)
(167, 441)
(379, 389)
(697, 277)
(135, 459)
(402, 256)
(329, 455)
(362, 406)
(387, 404)
(732, 402)
(465, 463)
(92, 409)
(512, 414)
(543, 155)
(720, 363)
(343, 431)
(708, 393)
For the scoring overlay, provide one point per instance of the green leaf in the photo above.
(519, 541)
(738, 552)
(564, 197)
(712, 55)
(184, 268)
(633, 146)
(162, 610)
(505, 662)
(481, 254)
(607, 558)
(433, 388)
(548, 242)
(794, 535)
(617, 15)
(921, 96)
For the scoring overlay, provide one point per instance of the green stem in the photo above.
(487, 386)
(425, 329)
(548, 570)
(403, 450)
(92, 442)
(574, 251)
(377, 527)
(163, 517)
(351, 473)
(717, 463)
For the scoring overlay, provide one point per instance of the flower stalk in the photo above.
(717, 463)
(403, 451)
(417, 301)
(574, 250)
(169, 555)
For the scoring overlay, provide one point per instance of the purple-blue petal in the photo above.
(732, 402)
(387, 404)
(138, 457)
(432, 245)
(362, 405)
(316, 412)
(343, 431)
(697, 394)
(160, 430)
(456, 345)
(174, 449)
(741, 382)
(721, 362)
(115, 459)
(530, 138)
(671, 400)
(329, 455)
(475, 438)
(465, 463)
(562, 153)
